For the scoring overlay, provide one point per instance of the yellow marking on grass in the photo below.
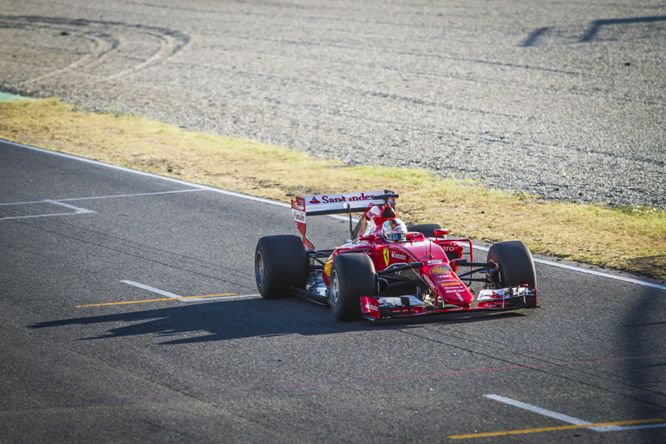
(148, 301)
(557, 428)
(631, 238)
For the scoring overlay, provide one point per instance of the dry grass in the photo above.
(632, 239)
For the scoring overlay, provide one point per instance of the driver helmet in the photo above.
(394, 230)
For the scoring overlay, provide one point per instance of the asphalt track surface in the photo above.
(156, 368)
(564, 99)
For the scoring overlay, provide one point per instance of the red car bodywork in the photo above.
(431, 262)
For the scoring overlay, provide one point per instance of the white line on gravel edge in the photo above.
(594, 272)
(282, 204)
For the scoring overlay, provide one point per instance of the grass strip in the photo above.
(628, 238)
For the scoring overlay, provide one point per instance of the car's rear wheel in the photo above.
(428, 230)
(279, 264)
(352, 276)
(515, 266)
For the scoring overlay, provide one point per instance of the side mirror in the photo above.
(368, 238)
(442, 232)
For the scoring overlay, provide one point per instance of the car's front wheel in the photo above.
(352, 276)
(515, 266)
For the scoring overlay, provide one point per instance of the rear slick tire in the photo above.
(280, 263)
(428, 230)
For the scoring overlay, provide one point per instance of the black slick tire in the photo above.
(428, 230)
(515, 266)
(352, 276)
(279, 264)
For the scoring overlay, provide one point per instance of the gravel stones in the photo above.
(557, 101)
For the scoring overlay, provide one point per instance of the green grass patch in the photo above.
(631, 238)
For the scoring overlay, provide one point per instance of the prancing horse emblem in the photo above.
(386, 256)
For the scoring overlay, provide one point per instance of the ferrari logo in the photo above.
(386, 256)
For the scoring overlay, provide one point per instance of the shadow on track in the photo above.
(642, 333)
(217, 321)
(592, 30)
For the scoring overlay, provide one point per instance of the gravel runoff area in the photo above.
(563, 99)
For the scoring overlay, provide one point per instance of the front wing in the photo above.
(505, 299)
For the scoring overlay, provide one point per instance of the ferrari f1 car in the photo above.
(388, 270)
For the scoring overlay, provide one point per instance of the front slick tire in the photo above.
(515, 266)
(280, 263)
(352, 276)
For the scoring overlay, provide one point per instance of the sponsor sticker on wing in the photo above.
(451, 284)
(336, 202)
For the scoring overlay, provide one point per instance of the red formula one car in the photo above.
(388, 270)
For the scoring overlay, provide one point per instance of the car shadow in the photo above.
(223, 320)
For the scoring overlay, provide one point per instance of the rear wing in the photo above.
(321, 204)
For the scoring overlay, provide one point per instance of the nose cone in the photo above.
(449, 287)
(456, 293)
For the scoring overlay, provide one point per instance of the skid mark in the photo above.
(168, 47)
(101, 44)
(107, 40)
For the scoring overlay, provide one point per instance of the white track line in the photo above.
(189, 299)
(77, 210)
(112, 196)
(285, 205)
(152, 289)
(116, 196)
(538, 410)
(636, 427)
(588, 271)
(568, 419)
(224, 298)
(41, 215)
(144, 174)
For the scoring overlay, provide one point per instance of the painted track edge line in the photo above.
(538, 410)
(285, 205)
(588, 271)
(145, 174)
(161, 292)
